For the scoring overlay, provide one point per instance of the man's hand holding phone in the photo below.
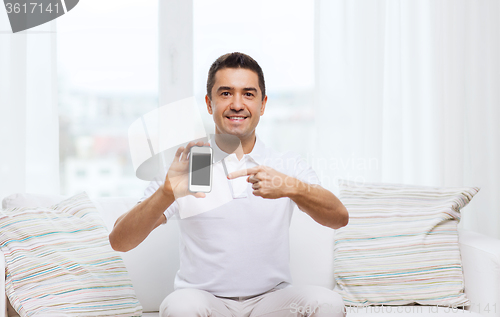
(177, 179)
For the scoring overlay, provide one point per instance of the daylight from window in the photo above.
(108, 77)
(280, 36)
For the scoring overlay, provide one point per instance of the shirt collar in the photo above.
(258, 153)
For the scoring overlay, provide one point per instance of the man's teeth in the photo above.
(236, 118)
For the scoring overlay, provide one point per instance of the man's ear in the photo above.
(263, 107)
(209, 104)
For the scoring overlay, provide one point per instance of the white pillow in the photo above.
(59, 262)
(401, 245)
(30, 200)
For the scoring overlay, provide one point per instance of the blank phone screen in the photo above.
(201, 169)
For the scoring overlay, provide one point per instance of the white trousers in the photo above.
(287, 302)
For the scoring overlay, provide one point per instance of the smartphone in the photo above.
(200, 169)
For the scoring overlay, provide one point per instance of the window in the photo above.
(107, 64)
(280, 36)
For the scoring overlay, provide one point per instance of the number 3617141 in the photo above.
(32, 7)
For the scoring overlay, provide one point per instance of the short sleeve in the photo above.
(305, 173)
(152, 188)
(298, 168)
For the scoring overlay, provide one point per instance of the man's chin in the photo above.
(236, 133)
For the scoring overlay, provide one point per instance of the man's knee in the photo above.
(185, 302)
(318, 301)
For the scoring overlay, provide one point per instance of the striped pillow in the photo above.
(59, 262)
(401, 245)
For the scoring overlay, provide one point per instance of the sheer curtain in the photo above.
(29, 160)
(409, 92)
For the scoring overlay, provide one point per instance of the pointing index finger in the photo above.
(243, 172)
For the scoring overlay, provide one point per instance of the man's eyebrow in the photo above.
(250, 89)
(224, 88)
(232, 88)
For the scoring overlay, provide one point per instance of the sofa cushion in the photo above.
(59, 261)
(401, 245)
(152, 265)
(30, 200)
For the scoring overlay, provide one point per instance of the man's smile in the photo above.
(236, 118)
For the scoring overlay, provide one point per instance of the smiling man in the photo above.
(235, 258)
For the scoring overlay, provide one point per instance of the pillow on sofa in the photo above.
(59, 262)
(401, 245)
(31, 200)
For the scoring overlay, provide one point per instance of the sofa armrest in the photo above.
(481, 266)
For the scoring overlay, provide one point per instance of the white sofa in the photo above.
(153, 264)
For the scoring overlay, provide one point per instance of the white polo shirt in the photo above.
(239, 246)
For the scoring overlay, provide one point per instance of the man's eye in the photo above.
(249, 94)
(225, 93)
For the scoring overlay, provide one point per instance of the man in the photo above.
(234, 258)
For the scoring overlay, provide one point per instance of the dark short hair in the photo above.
(235, 60)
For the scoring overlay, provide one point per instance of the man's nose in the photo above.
(237, 103)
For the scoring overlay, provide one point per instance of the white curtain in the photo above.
(409, 92)
(29, 129)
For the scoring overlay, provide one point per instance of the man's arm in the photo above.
(319, 203)
(134, 226)
(161, 221)
(322, 205)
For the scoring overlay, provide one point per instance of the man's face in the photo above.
(237, 103)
